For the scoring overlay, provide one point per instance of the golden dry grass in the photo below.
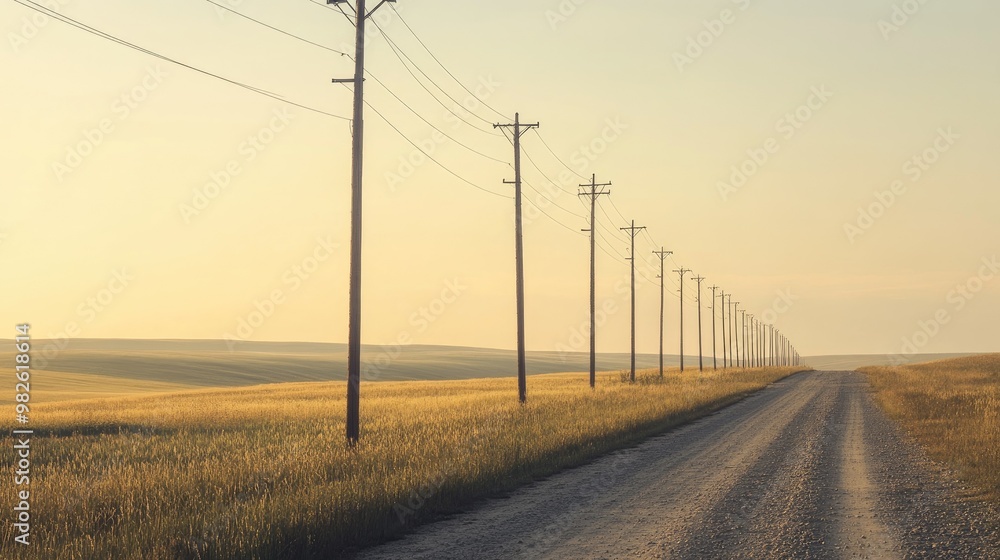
(263, 472)
(952, 407)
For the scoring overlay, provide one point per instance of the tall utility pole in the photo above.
(723, 297)
(735, 333)
(701, 360)
(715, 364)
(732, 337)
(357, 169)
(663, 256)
(519, 129)
(682, 271)
(592, 194)
(633, 231)
(746, 347)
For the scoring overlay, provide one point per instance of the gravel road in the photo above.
(807, 468)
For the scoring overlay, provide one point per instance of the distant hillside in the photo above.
(209, 363)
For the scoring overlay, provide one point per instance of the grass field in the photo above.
(263, 472)
(952, 407)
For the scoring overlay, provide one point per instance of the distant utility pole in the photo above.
(592, 194)
(357, 155)
(663, 255)
(701, 360)
(723, 297)
(682, 271)
(735, 332)
(519, 130)
(729, 325)
(743, 327)
(633, 231)
(715, 364)
(770, 359)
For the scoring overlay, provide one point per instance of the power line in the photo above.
(282, 31)
(401, 55)
(380, 82)
(558, 158)
(443, 67)
(430, 157)
(97, 32)
(419, 116)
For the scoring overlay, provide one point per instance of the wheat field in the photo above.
(263, 472)
(952, 407)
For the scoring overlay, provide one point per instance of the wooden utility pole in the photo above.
(701, 359)
(746, 347)
(633, 231)
(663, 256)
(715, 364)
(730, 323)
(681, 272)
(735, 332)
(724, 362)
(519, 129)
(592, 194)
(357, 169)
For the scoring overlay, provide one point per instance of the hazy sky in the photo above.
(143, 199)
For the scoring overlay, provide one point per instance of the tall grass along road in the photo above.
(263, 472)
(807, 468)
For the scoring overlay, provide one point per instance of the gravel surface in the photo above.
(807, 468)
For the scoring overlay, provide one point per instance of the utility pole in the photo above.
(735, 331)
(519, 130)
(701, 360)
(682, 271)
(715, 364)
(357, 170)
(633, 231)
(592, 194)
(729, 325)
(746, 349)
(663, 256)
(724, 363)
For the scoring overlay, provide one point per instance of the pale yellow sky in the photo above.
(119, 233)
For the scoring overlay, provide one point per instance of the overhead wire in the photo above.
(443, 67)
(97, 32)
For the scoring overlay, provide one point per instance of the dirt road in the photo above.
(807, 468)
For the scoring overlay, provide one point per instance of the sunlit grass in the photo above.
(263, 472)
(952, 407)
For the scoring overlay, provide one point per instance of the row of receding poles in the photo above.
(781, 351)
